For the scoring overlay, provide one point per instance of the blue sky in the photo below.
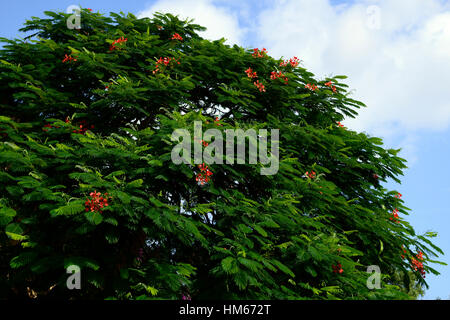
(396, 54)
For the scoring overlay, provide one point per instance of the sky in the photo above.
(396, 54)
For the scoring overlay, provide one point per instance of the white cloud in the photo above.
(219, 21)
(396, 57)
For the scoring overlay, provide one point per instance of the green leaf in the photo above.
(260, 230)
(112, 237)
(6, 215)
(71, 208)
(283, 268)
(125, 198)
(94, 217)
(14, 228)
(229, 265)
(250, 264)
(136, 183)
(23, 259)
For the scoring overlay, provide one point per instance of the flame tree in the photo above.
(86, 117)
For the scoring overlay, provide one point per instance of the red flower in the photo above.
(340, 124)
(176, 36)
(83, 127)
(260, 86)
(118, 41)
(97, 202)
(46, 126)
(395, 216)
(275, 75)
(164, 61)
(89, 9)
(398, 195)
(311, 87)
(337, 268)
(293, 62)
(259, 54)
(417, 265)
(68, 58)
(250, 73)
(204, 175)
(311, 174)
(329, 84)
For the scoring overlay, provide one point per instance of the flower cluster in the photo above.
(203, 176)
(47, 126)
(293, 62)
(259, 53)
(311, 174)
(120, 40)
(260, 86)
(311, 87)
(404, 252)
(337, 268)
(83, 127)
(395, 216)
(275, 75)
(68, 58)
(97, 202)
(250, 73)
(164, 61)
(330, 84)
(340, 124)
(398, 195)
(417, 264)
(176, 36)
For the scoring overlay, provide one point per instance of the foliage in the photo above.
(91, 111)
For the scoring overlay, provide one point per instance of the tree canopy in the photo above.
(86, 176)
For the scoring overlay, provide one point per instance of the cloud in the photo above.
(396, 54)
(219, 20)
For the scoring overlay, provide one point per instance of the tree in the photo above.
(87, 177)
(415, 288)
